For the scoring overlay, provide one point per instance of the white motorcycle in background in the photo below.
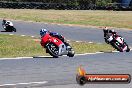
(8, 26)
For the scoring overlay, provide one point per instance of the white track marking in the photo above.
(24, 57)
(41, 56)
(99, 52)
(78, 41)
(23, 35)
(90, 42)
(15, 58)
(51, 56)
(32, 36)
(44, 56)
(115, 51)
(29, 83)
(11, 34)
(7, 85)
(89, 53)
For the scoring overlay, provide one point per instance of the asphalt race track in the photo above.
(70, 32)
(47, 72)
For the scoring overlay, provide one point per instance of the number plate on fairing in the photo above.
(119, 39)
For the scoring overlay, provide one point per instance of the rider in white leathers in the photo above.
(7, 25)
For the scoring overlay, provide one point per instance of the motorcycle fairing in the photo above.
(110, 38)
(62, 49)
(120, 39)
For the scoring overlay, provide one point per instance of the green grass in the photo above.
(18, 46)
(86, 47)
(120, 19)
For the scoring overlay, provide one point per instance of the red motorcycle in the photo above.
(55, 47)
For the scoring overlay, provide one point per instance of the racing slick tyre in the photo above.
(14, 29)
(128, 49)
(71, 53)
(53, 50)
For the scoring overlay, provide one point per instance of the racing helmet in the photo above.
(43, 32)
(4, 21)
(113, 30)
(105, 30)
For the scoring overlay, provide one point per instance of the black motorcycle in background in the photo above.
(8, 26)
(117, 42)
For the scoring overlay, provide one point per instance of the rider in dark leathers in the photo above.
(3, 23)
(108, 31)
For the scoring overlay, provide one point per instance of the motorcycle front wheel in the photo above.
(71, 53)
(128, 49)
(14, 29)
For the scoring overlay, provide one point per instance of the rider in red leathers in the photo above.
(54, 34)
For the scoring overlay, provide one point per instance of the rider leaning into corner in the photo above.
(5, 22)
(54, 34)
(107, 31)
